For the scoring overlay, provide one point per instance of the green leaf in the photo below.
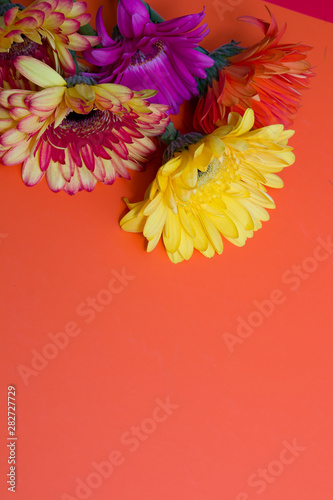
(220, 57)
(170, 134)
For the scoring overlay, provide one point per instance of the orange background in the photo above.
(235, 409)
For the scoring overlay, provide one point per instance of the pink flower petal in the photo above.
(70, 26)
(83, 19)
(110, 173)
(30, 124)
(12, 137)
(10, 15)
(16, 154)
(65, 6)
(88, 181)
(45, 152)
(46, 100)
(79, 42)
(31, 173)
(54, 21)
(74, 185)
(39, 15)
(88, 157)
(54, 177)
(27, 23)
(99, 171)
(78, 8)
(13, 33)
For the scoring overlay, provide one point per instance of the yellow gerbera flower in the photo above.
(211, 188)
(76, 132)
(52, 23)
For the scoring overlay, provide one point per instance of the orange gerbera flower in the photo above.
(267, 77)
(47, 30)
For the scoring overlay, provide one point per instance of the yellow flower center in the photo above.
(218, 176)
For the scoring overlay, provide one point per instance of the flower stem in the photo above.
(170, 134)
(74, 56)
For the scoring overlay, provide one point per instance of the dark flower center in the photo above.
(78, 126)
(25, 48)
(140, 58)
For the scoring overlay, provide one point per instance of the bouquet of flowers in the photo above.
(81, 107)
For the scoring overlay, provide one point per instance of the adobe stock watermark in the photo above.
(262, 478)
(130, 442)
(87, 310)
(265, 308)
(3, 236)
(223, 7)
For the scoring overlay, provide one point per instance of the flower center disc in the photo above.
(78, 126)
(211, 172)
(25, 48)
(218, 176)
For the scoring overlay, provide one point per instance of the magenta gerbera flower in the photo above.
(144, 54)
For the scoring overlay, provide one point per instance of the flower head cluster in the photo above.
(267, 77)
(76, 132)
(212, 188)
(160, 56)
(78, 128)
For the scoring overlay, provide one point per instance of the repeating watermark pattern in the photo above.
(87, 310)
(12, 439)
(3, 236)
(262, 478)
(130, 441)
(225, 7)
(264, 308)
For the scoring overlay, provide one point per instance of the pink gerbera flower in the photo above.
(76, 132)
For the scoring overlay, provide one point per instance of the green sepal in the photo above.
(180, 144)
(170, 134)
(220, 57)
(87, 30)
(7, 5)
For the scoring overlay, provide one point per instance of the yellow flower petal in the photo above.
(38, 72)
(172, 232)
(214, 189)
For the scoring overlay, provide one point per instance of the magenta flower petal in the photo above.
(105, 39)
(132, 17)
